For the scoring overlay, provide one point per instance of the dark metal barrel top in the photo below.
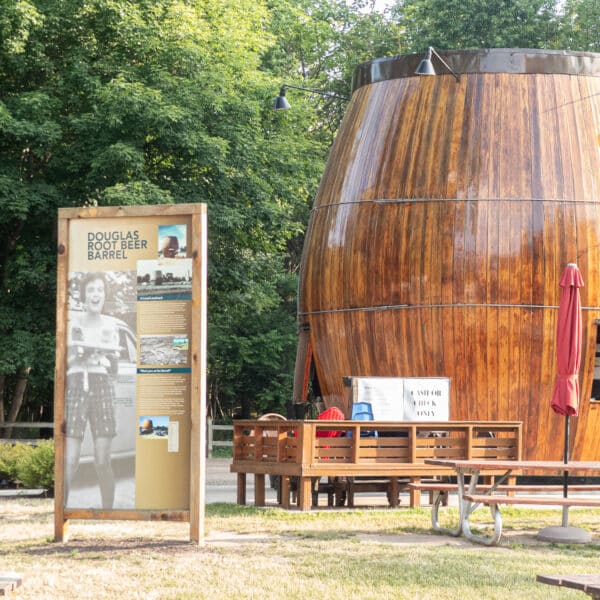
(491, 60)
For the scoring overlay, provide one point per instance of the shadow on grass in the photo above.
(96, 548)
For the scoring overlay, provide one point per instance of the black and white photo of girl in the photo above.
(100, 392)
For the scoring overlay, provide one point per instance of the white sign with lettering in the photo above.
(404, 398)
(426, 399)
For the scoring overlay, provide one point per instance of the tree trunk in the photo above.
(245, 408)
(17, 399)
(2, 380)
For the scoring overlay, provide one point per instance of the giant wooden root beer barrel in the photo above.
(445, 217)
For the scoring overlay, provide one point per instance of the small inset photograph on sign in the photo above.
(172, 241)
(164, 350)
(153, 426)
(164, 279)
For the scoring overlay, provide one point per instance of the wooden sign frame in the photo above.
(126, 219)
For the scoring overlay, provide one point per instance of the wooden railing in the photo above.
(309, 449)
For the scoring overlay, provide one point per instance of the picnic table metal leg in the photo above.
(490, 540)
(467, 508)
(438, 500)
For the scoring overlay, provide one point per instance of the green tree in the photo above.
(450, 24)
(121, 102)
(319, 44)
(581, 25)
(28, 133)
(115, 102)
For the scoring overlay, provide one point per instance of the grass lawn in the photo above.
(255, 553)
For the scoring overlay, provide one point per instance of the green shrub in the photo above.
(35, 469)
(28, 466)
(7, 463)
(10, 457)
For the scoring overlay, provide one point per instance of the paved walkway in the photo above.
(220, 487)
(221, 484)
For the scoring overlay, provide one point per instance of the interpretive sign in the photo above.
(130, 364)
(404, 398)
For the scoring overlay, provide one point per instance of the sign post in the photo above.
(130, 391)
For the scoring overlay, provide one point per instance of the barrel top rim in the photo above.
(488, 60)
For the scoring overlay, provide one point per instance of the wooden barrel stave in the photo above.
(443, 221)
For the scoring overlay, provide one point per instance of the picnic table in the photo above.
(590, 584)
(469, 498)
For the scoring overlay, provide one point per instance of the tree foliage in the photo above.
(581, 25)
(458, 24)
(115, 102)
(120, 102)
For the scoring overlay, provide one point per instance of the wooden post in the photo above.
(469, 442)
(60, 522)
(198, 382)
(355, 443)
(241, 488)
(259, 489)
(285, 491)
(305, 493)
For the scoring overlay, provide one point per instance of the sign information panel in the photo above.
(404, 398)
(130, 355)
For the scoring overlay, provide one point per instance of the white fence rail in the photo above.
(20, 425)
(212, 443)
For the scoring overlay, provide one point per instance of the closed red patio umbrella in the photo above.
(565, 398)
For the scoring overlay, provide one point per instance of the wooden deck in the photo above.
(307, 450)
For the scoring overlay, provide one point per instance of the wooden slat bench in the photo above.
(590, 584)
(496, 499)
(9, 581)
(292, 449)
(442, 488)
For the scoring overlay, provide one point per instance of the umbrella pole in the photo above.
(565, 513)
(565, 534)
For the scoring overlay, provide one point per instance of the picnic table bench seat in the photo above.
(439, 490)
(495, 499)
(446, 486)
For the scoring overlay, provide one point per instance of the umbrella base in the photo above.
(565, 535)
